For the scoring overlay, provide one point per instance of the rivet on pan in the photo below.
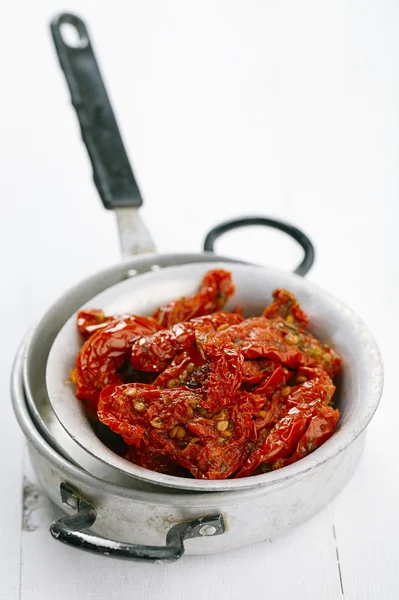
(72, 502)
(131, 273)
(207, 530)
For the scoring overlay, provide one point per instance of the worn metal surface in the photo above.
(134, 237)
(71, 531)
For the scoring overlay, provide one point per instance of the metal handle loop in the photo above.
(297, 234)
(69, 531)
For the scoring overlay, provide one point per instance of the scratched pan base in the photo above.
(358, 390)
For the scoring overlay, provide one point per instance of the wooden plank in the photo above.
(14, 322)
(10, 473)
(51, 569)
(367, 523)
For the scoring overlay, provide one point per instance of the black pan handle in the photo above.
(112, 172)
(297, 234)
(69, 531)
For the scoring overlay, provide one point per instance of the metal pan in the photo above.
(331, 320)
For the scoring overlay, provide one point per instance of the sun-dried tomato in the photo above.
(302, 403)
(276, 380)
(321, 427)
(216, 396)
(177, 372)
(254, 372)
(102, 356)
(315, 388)
(210, 448)
(172, 422)
(90, 320)
(215, 289)
(225, 374)
(287, 307)
(280, 443)
(128, 409)
(155, 352)
(260, 337)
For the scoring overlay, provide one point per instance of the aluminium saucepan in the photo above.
(118, 515)
(277, 502)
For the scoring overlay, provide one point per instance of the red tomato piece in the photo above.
(317, 389)
(287, 307)
(129, 409)
(176, 373)
(225, 374)
(210, 449)
(260, 337)
(321, 427)
(155, 352)
(280, 443)
(216, 287)
(105, 352)
(277, 378)
(269, 415)
(256, 371)
(289, 407)
(90, 319)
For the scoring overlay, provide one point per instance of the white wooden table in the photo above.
(287, 109)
